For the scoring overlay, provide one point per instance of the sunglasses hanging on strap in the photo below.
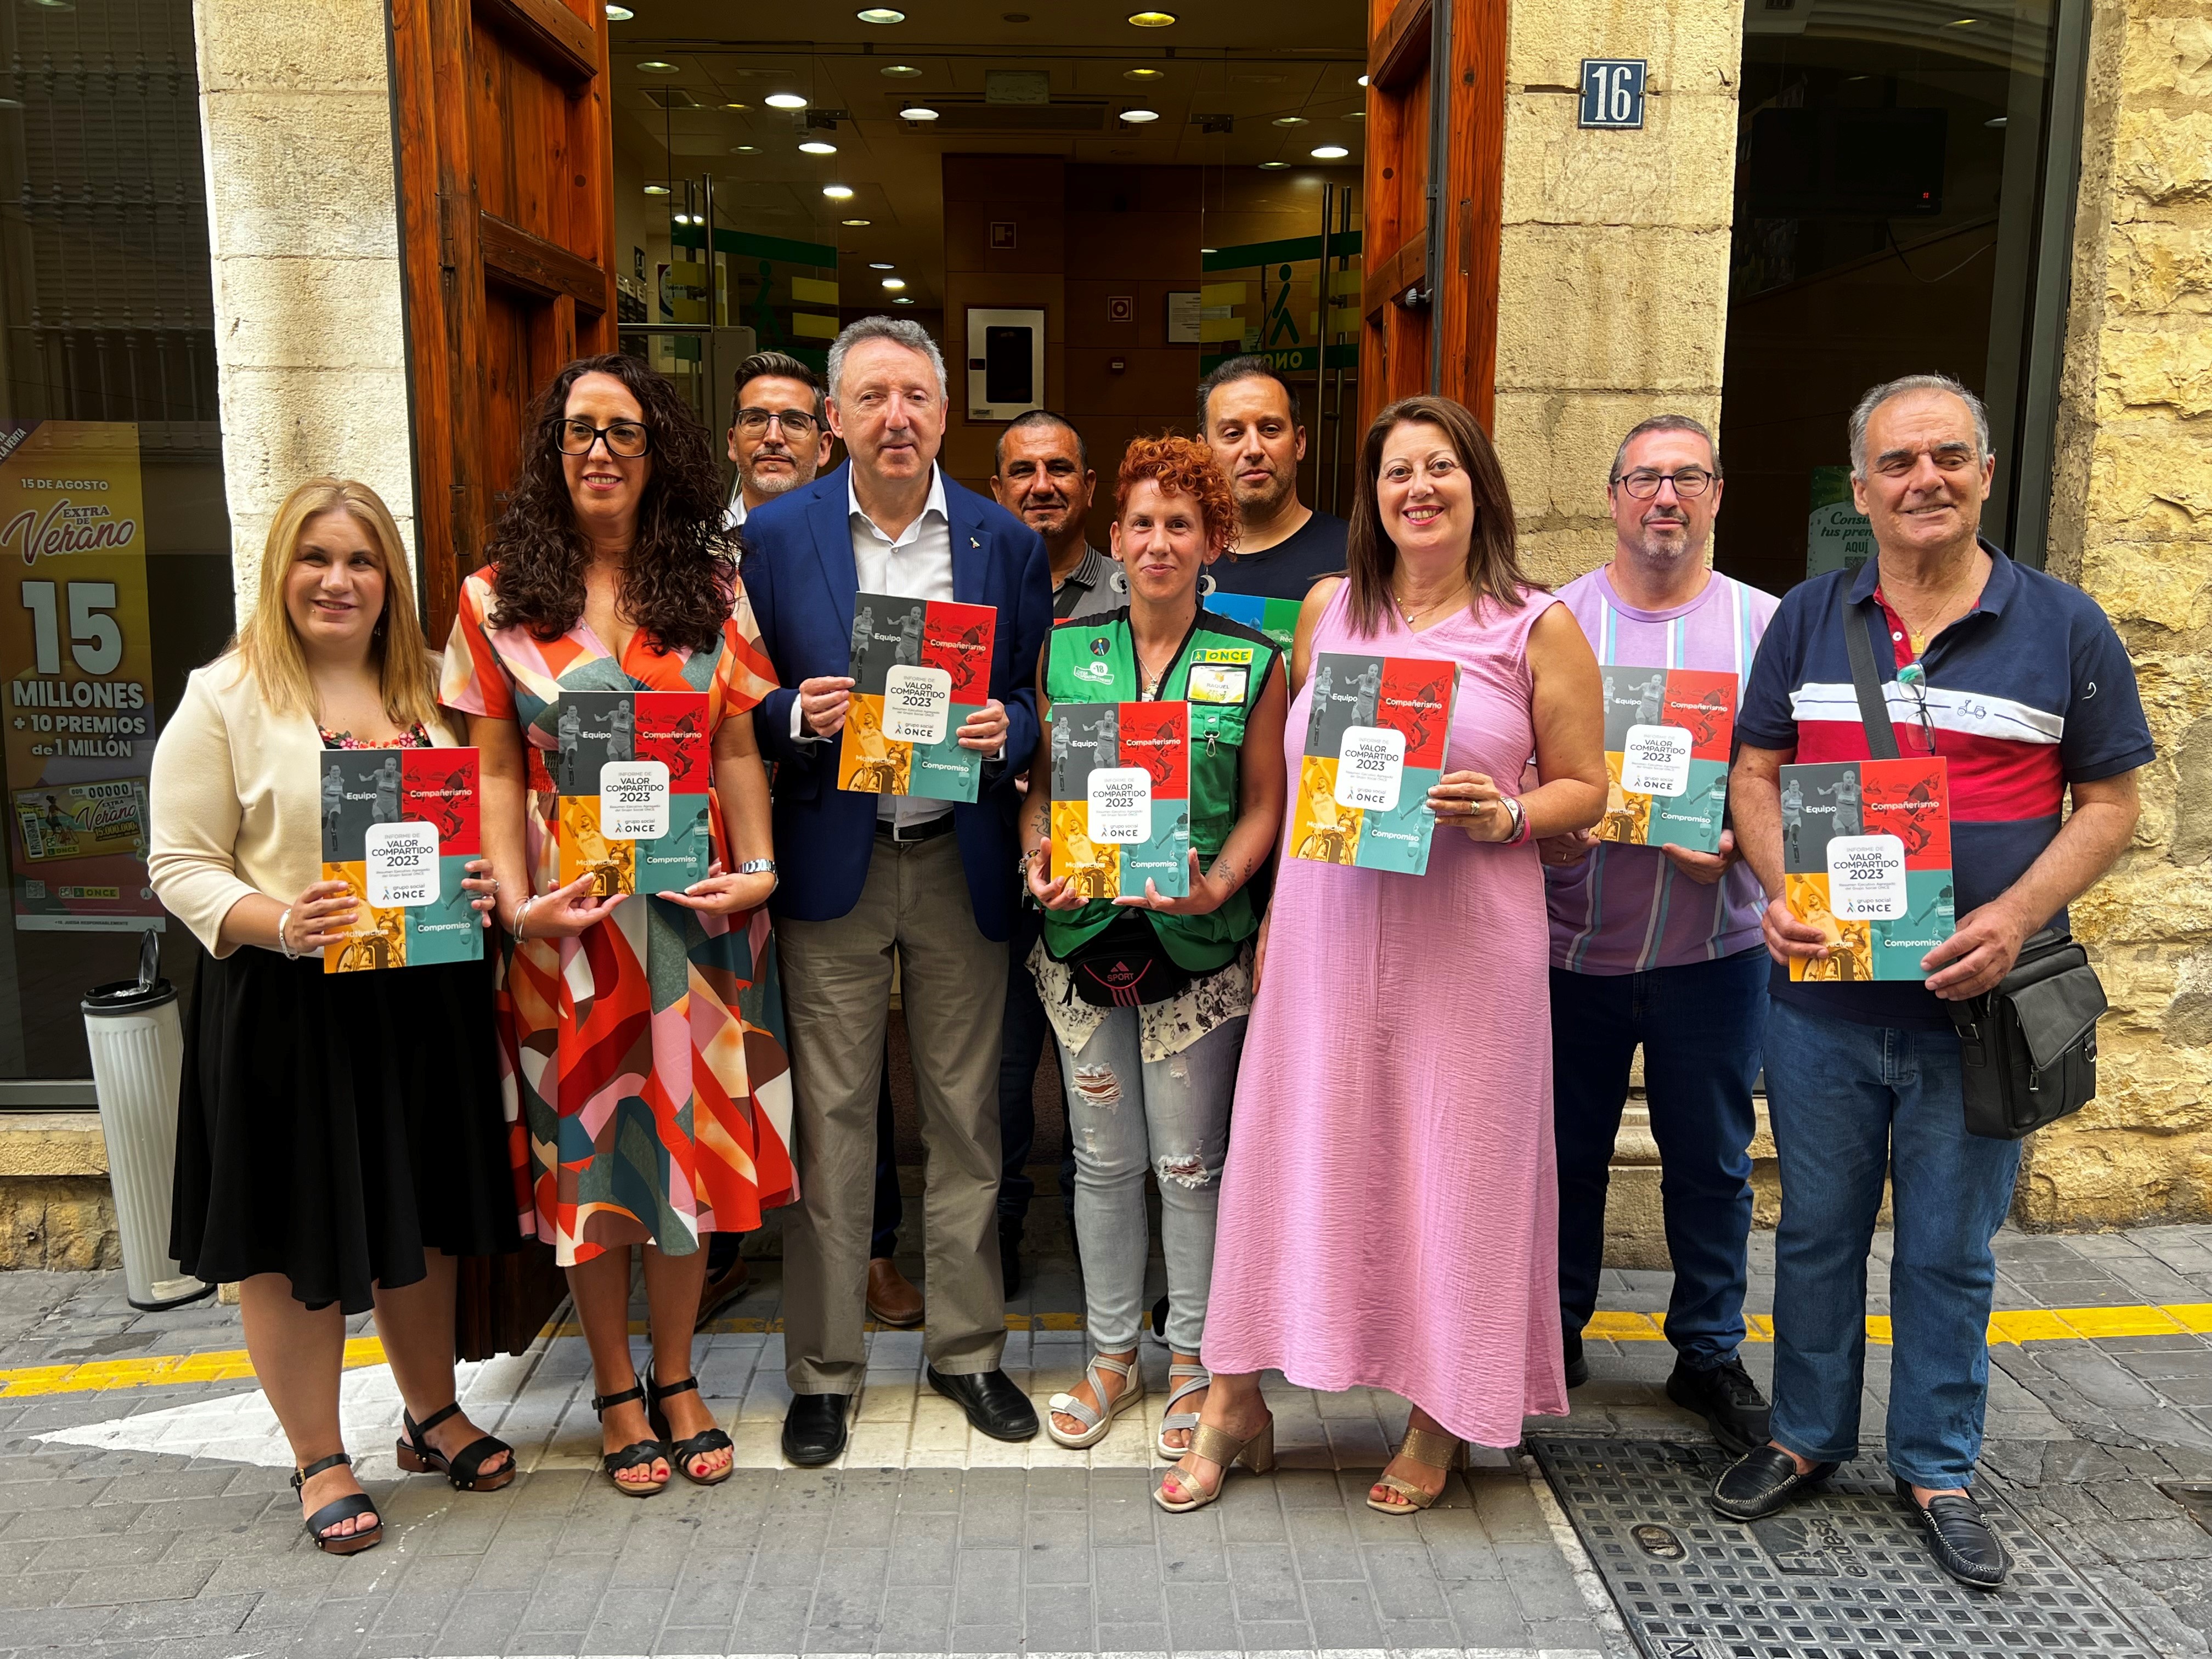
(2027, 1050)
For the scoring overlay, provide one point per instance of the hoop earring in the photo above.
(1118, 580)
(1206, 585)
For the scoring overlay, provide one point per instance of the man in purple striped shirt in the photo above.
(1661, 946)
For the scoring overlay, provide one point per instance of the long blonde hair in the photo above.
(268, 646)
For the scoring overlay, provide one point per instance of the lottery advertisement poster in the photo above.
(1376, 734)
(1668, 733)
(400, 827)
(920, 668)
(77, 652)
(1866, 858)
(1120, 798)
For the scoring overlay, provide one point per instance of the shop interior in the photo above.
(1086, 206)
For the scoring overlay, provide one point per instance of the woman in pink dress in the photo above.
(1389, 1208)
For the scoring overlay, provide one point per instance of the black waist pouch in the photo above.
(1122, 965)
(2029, 1049)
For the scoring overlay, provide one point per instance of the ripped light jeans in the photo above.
(1126, 1115)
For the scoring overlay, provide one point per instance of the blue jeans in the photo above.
(1700, 1024)
(1129, 1116)
(1852, 1103)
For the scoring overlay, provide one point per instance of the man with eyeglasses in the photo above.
(779, 437)
(2017, 680)
(1659, 946)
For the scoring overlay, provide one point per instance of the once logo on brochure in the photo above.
(917, 703)
(1866, 878)
(1370, 767)
(1657, 760)
(1120, 799)
(634, 799)
(402, 865)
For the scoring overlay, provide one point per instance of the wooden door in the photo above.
(1436, 111)
(507, 212)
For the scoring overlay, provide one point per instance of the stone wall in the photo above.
(2131, 522)
(303, 227)
(1613, 297)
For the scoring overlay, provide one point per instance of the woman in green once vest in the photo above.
(1148, 995)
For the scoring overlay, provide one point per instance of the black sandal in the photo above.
(638, 1455)
(464, 1467)
(699, 1445)
(344, 1509)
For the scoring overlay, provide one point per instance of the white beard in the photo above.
(774, 485)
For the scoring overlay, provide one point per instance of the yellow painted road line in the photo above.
(2013, 1327)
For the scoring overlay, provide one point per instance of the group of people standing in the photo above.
(1378, 1108)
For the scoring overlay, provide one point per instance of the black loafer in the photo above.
(1963, 1543)
(1726, 1398)
(1578, 1367)
(814, 1429)
(993, 1404)
(1763, 1481)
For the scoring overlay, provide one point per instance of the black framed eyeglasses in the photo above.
(1689, 482)
(1914, 678)
(795, 422)
(626, 439)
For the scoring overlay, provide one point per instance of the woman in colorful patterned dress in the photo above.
(649, 1098)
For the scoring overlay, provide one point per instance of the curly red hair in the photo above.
(1182, 467)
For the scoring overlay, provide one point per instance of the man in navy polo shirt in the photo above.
(2027, 695)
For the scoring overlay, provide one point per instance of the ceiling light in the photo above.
(1356, 115)
(656, 66)
(817, 147)
(1962, 22)
(900, 71)
(1289, 120)
(783, 100)
(656, 190)
(618, 13)
(917, 112)
(1361, 82)
(744, 149)
(881, 264)
(1138, 117)
(736, 105)
(1144, 75)
(1996, 121)
(1209, 250)
(838, 192)
(894, 282)
(901, 300)
(1330, 153)
(859, 224)
(1151, 20)
(879, 15)
(1271, 166)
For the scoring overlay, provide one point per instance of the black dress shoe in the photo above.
(1963, 1543)
(1726, 1398)
(814, 1429)
(1762, 1481)
(993, 1404)
(1578, 1367)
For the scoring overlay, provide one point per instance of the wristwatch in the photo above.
(758, 868)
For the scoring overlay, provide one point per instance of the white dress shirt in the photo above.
(734, 517)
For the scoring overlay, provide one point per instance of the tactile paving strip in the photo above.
(1840, 1574)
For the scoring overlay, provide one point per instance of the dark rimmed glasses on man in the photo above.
(1689, 482)
(795, 422)
(626, 439)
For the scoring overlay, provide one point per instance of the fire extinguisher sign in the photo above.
(1613, 92)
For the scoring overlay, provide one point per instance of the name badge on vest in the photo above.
(1221, 683)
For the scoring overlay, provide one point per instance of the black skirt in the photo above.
(333, 1128)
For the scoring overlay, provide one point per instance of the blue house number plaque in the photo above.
(1613, 92)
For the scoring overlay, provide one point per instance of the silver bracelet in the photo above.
(520, 911)
(284, 935)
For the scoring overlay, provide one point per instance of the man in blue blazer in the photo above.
(865, 875)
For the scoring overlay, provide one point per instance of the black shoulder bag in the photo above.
(2027, 1050)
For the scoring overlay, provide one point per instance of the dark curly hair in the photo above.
(1182, 467)
(680, 579)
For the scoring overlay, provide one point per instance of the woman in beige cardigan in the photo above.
(339, 1138)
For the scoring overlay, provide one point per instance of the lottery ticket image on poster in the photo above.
(1374, 745)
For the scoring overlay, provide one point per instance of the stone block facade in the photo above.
(2131, 522)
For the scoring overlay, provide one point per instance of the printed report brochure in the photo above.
(400, 827)
(920, 668)
(1376, 734)
(1277, 618)
(1866, 858)
(1668, 733)
(632, 777)
(1120, 798)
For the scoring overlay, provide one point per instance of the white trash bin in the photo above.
(137, 1043)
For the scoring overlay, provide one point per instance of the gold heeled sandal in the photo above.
(1256, 1453)
(1438, 1451)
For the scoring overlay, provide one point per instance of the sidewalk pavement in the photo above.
(144, 1505)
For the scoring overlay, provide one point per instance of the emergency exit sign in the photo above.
(1613, 92)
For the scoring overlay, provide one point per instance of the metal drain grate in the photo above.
(1842, 1575)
